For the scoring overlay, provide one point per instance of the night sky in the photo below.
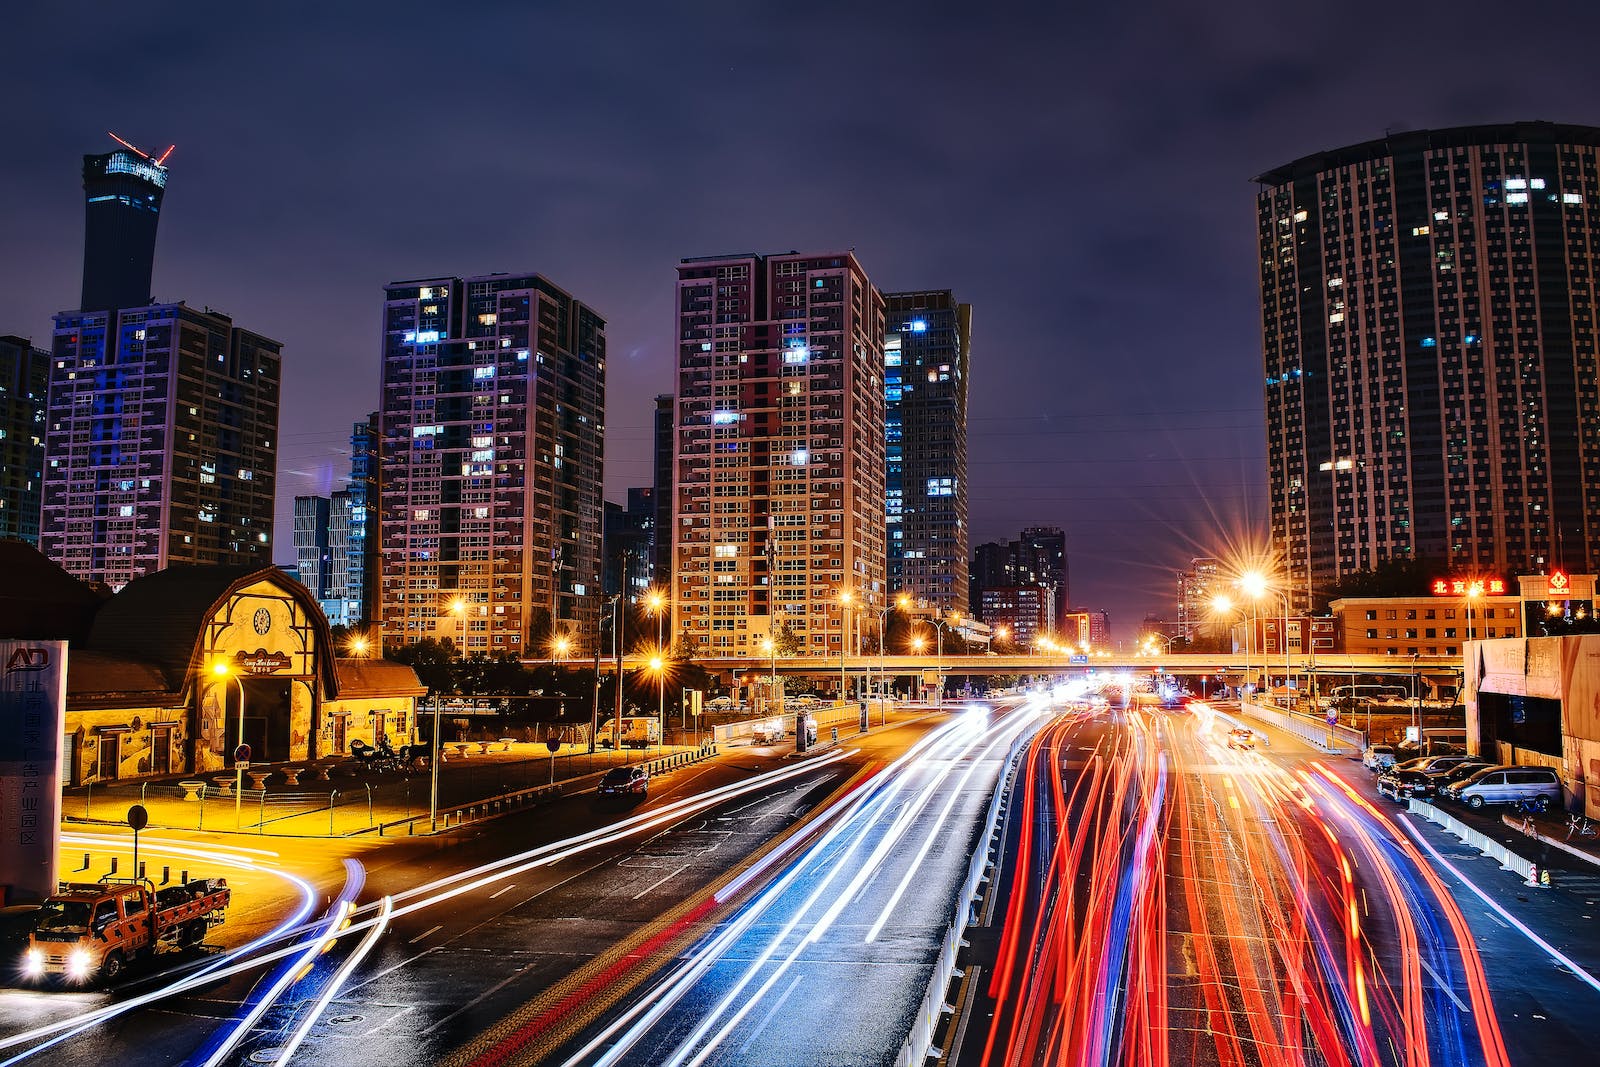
(1082, 177)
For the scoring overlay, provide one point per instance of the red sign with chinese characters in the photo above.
(1469, 587)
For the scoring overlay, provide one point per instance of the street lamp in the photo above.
(561, 645)
(654, 602)
(458, 608)
(358, 645)
(658, 666)
(221, 669)
(1223, 605)
(846, 597)
(769, 645)
(1256, 586)
(1474, 591)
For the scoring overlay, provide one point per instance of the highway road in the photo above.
(1166, 898)
(534, 923)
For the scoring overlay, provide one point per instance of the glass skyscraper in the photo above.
(927, 345)
(1428, 325)
(122, 191)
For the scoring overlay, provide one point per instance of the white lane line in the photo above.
(766, 1020)
(1451, 993)
(664, 878)
(384, 1025)
(426, 933)
(479, 999)
(1550, 950)
(508, 888)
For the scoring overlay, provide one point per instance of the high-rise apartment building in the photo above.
(122, 191)
(161, 442)
(1038, 557)
(1196, 588)
(24, 385)
(1428, 323)
(661, 529)
(493, 429)
(313, 561)
(927, 341)
(779, 457)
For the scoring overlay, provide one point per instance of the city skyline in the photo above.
(1104, 229)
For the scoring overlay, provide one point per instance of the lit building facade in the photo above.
(1428, 323)
(629, 540)
(1038, 557)
(161, 442)
(927, 341)
(661, 528)
(1026, 611)
(312, 558)
(1197, 586)
(779, 451)
(1421, 625)
(493, 447)
(24, 386)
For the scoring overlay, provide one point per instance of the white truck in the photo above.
(638, 731)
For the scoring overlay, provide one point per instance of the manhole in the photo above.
(344, 1020)
(266, 1055)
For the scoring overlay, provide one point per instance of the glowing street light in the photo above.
(222, 670)
(846, 598)
(561, 645)
(358, 645)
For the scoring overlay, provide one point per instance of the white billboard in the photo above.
(33, 716)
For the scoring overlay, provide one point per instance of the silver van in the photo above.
(1508, 785)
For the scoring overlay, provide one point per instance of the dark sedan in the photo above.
(1400, 784)
(625, 781)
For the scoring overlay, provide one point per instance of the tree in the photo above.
(434, 661)
(788, 644)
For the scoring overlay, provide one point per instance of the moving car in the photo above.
(1378, 757)
(1398, 784)
(1507, 785)
(625, 781)
(1241, 738)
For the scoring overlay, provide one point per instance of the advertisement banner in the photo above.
(33, 717)
(1580, 704)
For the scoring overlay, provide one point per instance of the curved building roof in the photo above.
(1415, 142)
(161, 617)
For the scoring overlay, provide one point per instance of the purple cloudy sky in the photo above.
(1079, 174)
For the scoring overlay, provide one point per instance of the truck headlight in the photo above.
(78, 963)
(33, 962)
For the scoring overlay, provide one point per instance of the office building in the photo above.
(161, 441)
(629, 544)
(122, 192)
(779, 457)
(661, 528)
(1026, 612)
(352, 577)
(1038, 557)
(1428, 322)
(24, 385)
(1197, 587)
(313, 560)
(927, 340)
(493, 429)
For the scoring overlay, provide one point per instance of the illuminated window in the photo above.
(1337, 316)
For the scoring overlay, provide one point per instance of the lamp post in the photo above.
(458, 608)
(1474, 591)
(654, 602)
(659, 667)
(1223, 605)
(845, 599)
(771, 646)
(221, 669)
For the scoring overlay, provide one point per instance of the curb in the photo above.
(1587, 857)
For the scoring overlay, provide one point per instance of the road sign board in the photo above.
(1079, 659)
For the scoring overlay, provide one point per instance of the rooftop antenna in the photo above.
(135, 148)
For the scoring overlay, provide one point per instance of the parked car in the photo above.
(1507, 785)
(1428, 764)
(1241, 738)
(1399, 784)
(1378, 757)
(1460, 772)
(625, 781)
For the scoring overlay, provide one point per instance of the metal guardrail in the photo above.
(1315, 731)
(1482, 842)
(926, 1023)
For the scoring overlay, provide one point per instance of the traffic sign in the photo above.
(138, 817)
(1332, 718)
(241, 754)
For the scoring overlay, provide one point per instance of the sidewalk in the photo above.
(356, 799)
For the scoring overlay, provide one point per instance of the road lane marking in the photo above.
(761, 1027)
(392, 1018)
(508, 888)
(666, 877)
(1451, 993)
(479, 999)
(425, 933)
